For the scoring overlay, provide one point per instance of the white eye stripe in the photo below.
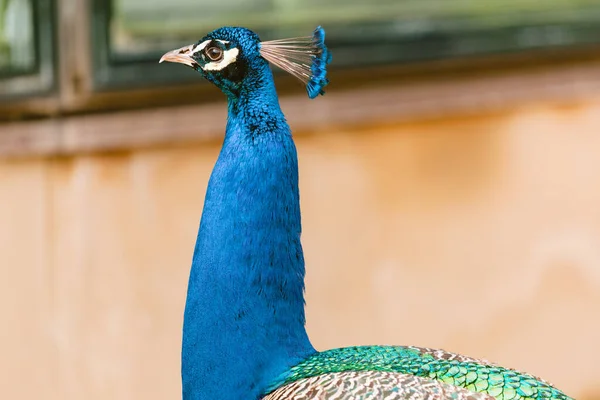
(229, 57)
(202, 45)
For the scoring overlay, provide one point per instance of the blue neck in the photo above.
(244, 316)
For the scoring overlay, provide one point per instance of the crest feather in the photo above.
(304, 57)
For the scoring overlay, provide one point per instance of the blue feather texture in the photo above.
(244, 314)
(321, 59)
(304, 57)
(244, 331)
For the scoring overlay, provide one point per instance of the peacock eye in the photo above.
(214, 53)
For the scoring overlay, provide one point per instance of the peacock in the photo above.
(244, 331)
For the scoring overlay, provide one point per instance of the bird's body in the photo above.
(386, 362)
(372, 385)
(244, 334)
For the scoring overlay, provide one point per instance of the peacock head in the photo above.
(227, 57)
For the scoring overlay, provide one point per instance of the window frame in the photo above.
(110, 73)
(85, 79)
(122, 73)
(41, 79)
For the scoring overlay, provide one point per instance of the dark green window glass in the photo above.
(26, 47)
(17, 39)
(359, 32)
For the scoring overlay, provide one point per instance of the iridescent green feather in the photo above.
(472, 374)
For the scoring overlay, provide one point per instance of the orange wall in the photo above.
(477, 234)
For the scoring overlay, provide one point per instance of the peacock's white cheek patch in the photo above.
(229, 57)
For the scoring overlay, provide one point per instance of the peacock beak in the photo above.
(181, 55)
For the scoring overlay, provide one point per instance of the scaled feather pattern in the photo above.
(244, 334)
(474, 375)
(372, 385)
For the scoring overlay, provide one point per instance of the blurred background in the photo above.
(450, 183)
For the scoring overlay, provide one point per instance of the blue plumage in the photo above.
(304, 57)
(318, 79)
(244, 315)
(243, 333)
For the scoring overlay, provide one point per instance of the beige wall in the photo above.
(477, 234)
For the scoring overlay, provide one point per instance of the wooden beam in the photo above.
(382, 103)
